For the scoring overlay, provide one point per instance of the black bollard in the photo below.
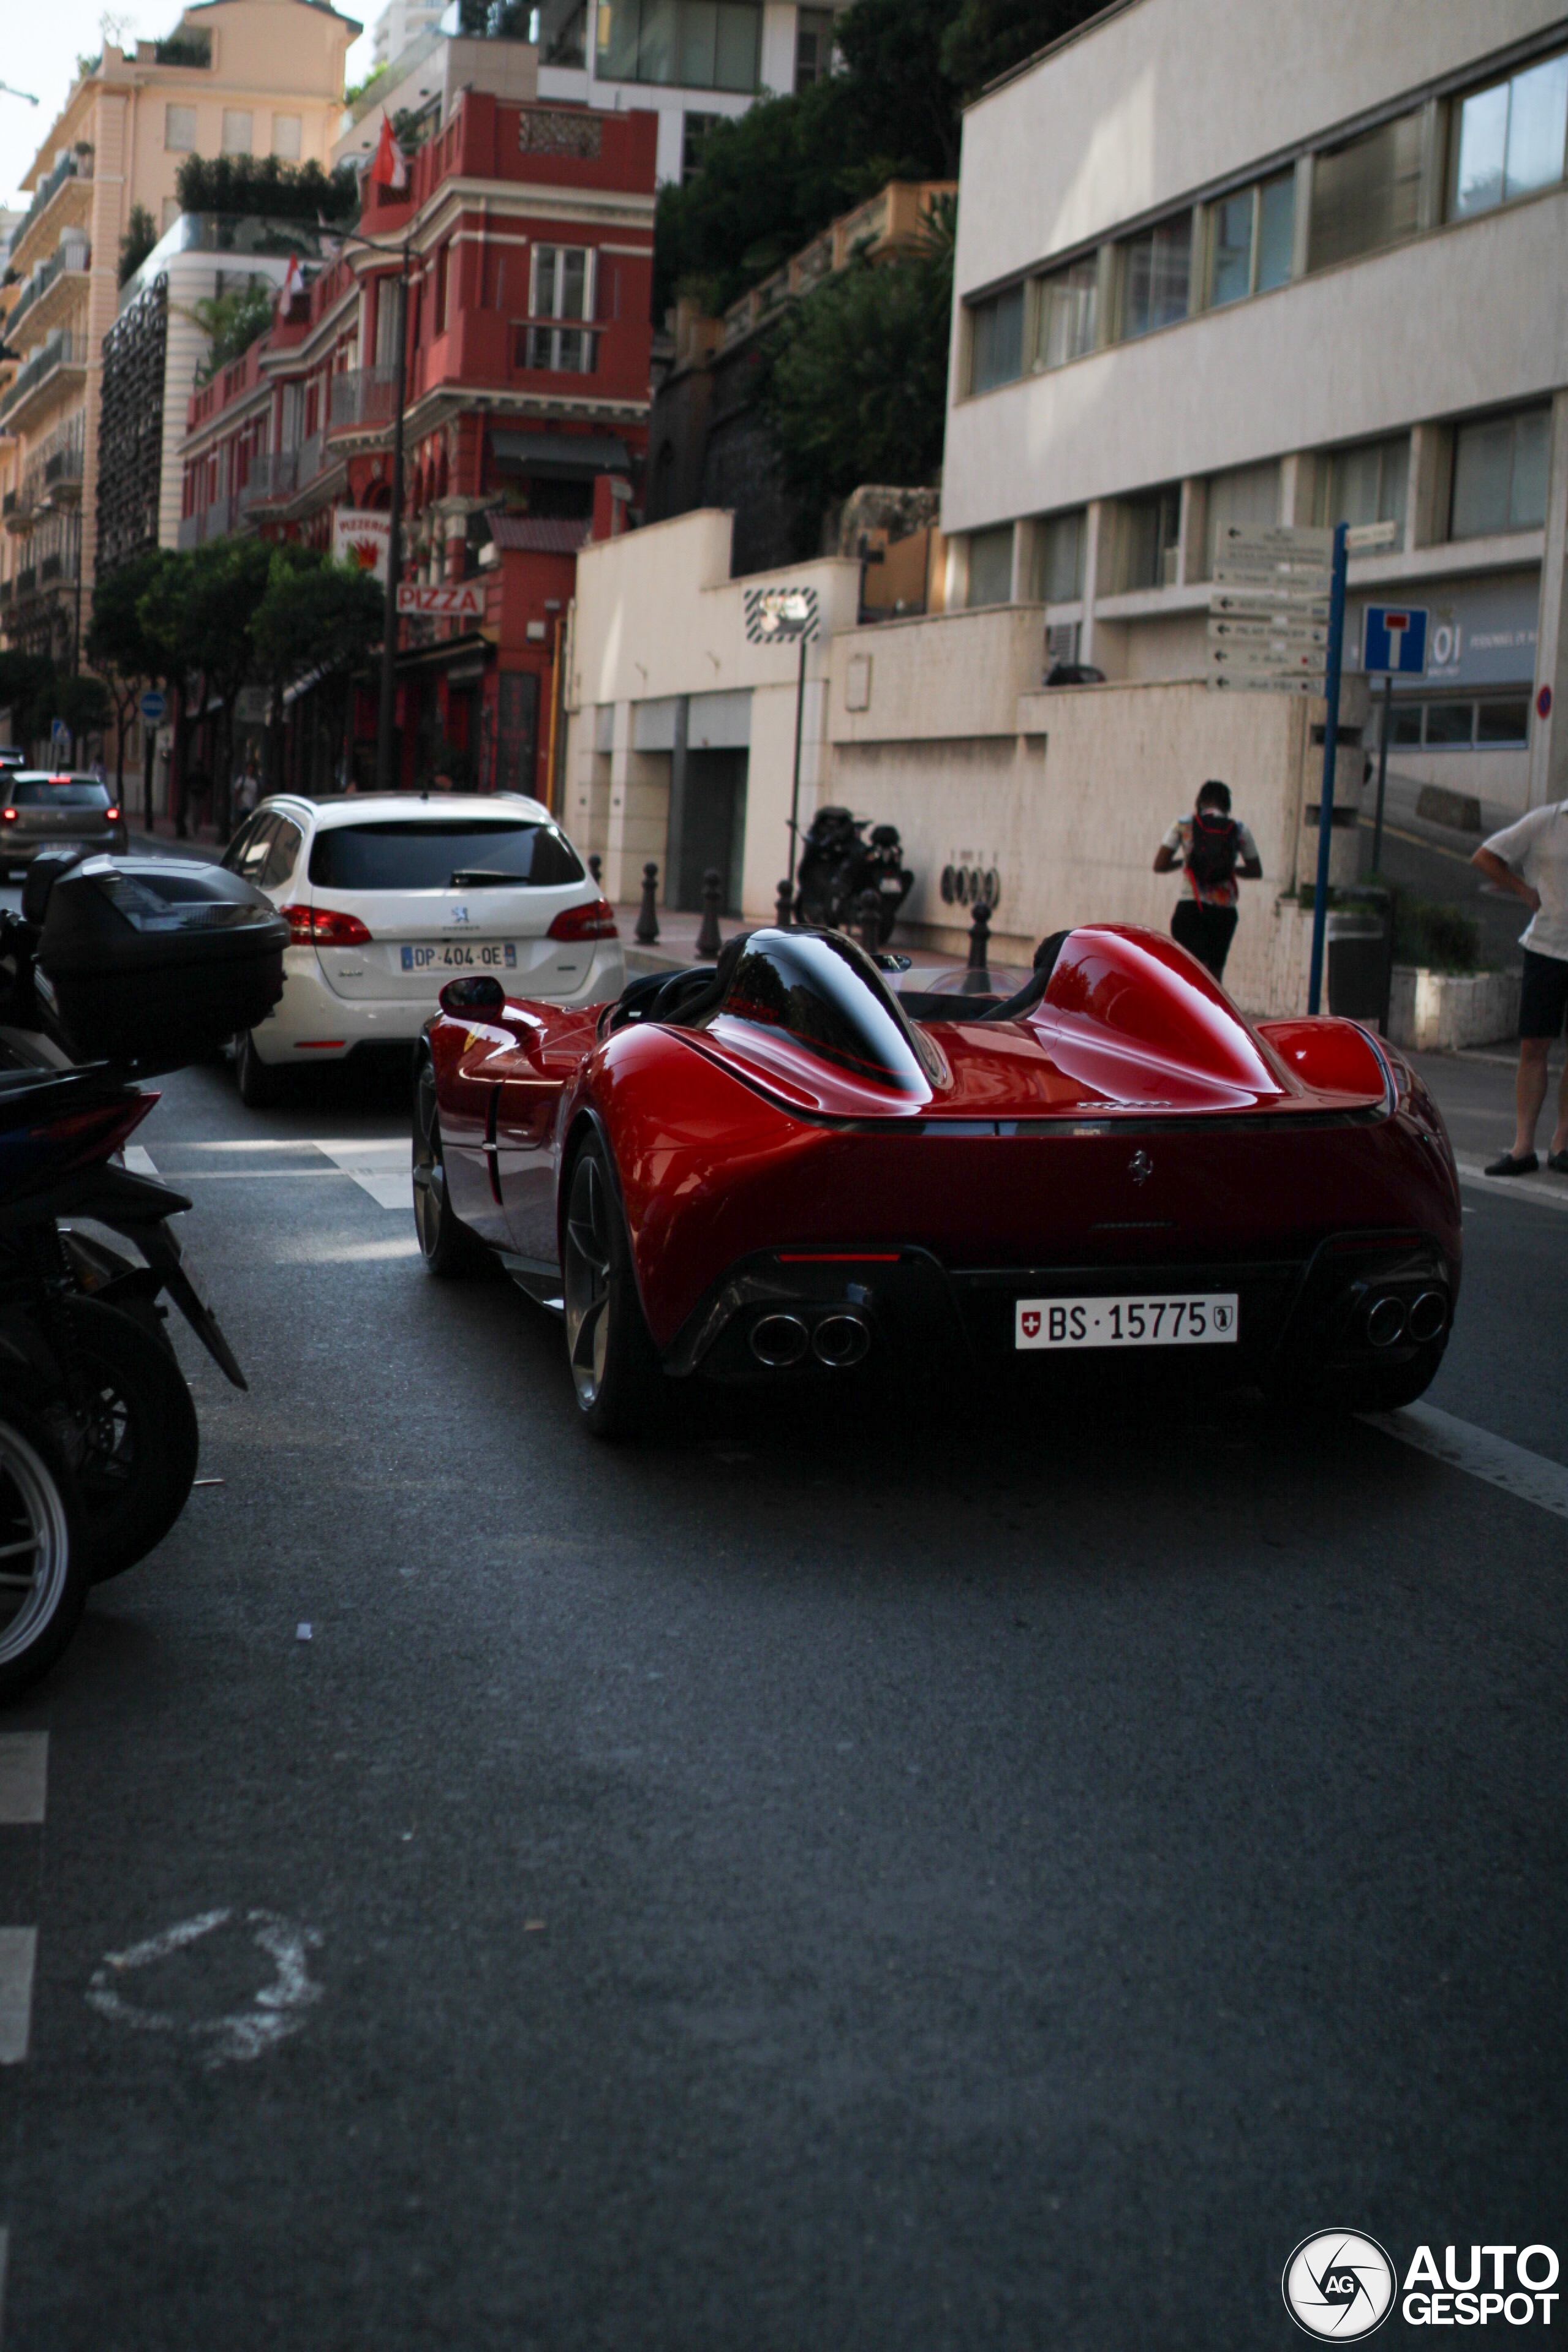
(868, 920)
(980, 937)
(648, 913)
(595, 865)
(708, 941)
(784, 910)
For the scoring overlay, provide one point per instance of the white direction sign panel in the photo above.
(460, 601)
(1268, 608)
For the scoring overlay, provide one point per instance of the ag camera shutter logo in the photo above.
(1339, 2284)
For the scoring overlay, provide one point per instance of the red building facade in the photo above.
(529, 231)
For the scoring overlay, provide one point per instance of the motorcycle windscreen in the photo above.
(825, 992)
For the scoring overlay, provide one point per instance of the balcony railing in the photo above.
(71, 166)
(7, 589)
(311, 455)
(75, 254)
(274, 474)
(60, 351)
(62, 475)
(361, 398)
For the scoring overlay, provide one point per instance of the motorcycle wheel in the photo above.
(140, 1447)
(43, 1572)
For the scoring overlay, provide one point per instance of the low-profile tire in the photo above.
(135, 1475)
(43, 1571)
(448, 1247)
(616, 1371)
(262, 1087)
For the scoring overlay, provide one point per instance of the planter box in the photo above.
(1439, 1012)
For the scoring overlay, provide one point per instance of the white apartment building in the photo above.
(691, 62)
(1226, 260)
(400, 23)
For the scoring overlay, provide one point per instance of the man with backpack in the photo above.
(1217, 851)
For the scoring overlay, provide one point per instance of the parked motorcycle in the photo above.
(142, 965)
(837, 867)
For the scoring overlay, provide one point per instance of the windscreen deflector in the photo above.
(823, 991)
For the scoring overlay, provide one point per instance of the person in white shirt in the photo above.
(1531, 858)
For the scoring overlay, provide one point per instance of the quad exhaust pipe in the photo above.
(1389, 1319)
(779, 1340)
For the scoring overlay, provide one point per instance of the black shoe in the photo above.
(1558, 1161)
(1509, 1166)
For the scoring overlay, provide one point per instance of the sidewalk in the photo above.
(676, 942)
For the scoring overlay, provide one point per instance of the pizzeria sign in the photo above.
(461, 601)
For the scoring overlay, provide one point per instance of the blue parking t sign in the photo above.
(1394, 640)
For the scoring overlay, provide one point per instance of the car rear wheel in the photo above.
(260, 1086)
(447, 1246)
(615, 1369)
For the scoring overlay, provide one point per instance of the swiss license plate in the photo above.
(1209, 1320)
(462, 955)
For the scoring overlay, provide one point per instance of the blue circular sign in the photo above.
(154, 706)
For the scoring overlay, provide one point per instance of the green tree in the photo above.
(773, 178)
(314, 615)
(120, 649)
(140, 237)
(233, 321)
(261, 184)
(857, 387)
(84, 704)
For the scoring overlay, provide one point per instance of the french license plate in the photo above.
(1167, 1321)
(462, 955)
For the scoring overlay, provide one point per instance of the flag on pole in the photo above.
(389, 168)
(293, 283)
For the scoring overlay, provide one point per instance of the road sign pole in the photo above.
(1381, 770)
(795, 786)
(1331, 748)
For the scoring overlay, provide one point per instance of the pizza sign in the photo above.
(362, 537)
(453, 601)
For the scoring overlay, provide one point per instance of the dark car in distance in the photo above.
(49, 809)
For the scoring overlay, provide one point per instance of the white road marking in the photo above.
(381, 1168)
(24, 1775)
(276, 2013)
(1533, 1478)
(1544, 1192)
(18, 1953)
(139, 1160)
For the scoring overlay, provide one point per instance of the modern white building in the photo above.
(691, 62)
(1224, 260)
(400, 23)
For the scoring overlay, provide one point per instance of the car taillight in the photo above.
(112, 815)
(594, 922)
(324, 927)
(8, 817)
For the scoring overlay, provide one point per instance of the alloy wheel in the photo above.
(35, 1545)
(429, 1169)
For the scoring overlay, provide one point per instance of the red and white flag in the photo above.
(293, 283)
(389, 167)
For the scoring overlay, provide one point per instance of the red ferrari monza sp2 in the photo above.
(776, 1168)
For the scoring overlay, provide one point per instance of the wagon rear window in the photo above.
(400, 854)
(36, 791)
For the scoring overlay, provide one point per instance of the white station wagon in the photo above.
(389, 896)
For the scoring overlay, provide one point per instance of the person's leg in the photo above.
(1560, 1132)
(1529, 1092)
(1219, 926)
(1187, 927)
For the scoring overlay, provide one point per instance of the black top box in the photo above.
(155, 961)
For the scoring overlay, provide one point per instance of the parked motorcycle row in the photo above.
(839, 866)
(112, 973)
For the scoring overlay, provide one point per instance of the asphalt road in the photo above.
(958, 1879)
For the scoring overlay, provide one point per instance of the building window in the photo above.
(559, 31)
(563, 289)
(1450, 725)
(1502, 722)
(1363, 484)
(286, 137)
(1068, 315)
(180, 129)
(1366, 193)
(236, 132)
(1500, 474)
(1510, 139)
(1156, 276)
(1056, 575)
(694, 131)
(1250, 236)
(1248, 497)
(990, 566)
(691, 44)
(996, 340)
(813, 45)
(1146, 535)
(443, 260)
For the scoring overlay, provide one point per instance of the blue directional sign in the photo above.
(154, 706)
(1394, 640)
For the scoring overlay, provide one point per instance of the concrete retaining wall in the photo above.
(1439, 1012)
